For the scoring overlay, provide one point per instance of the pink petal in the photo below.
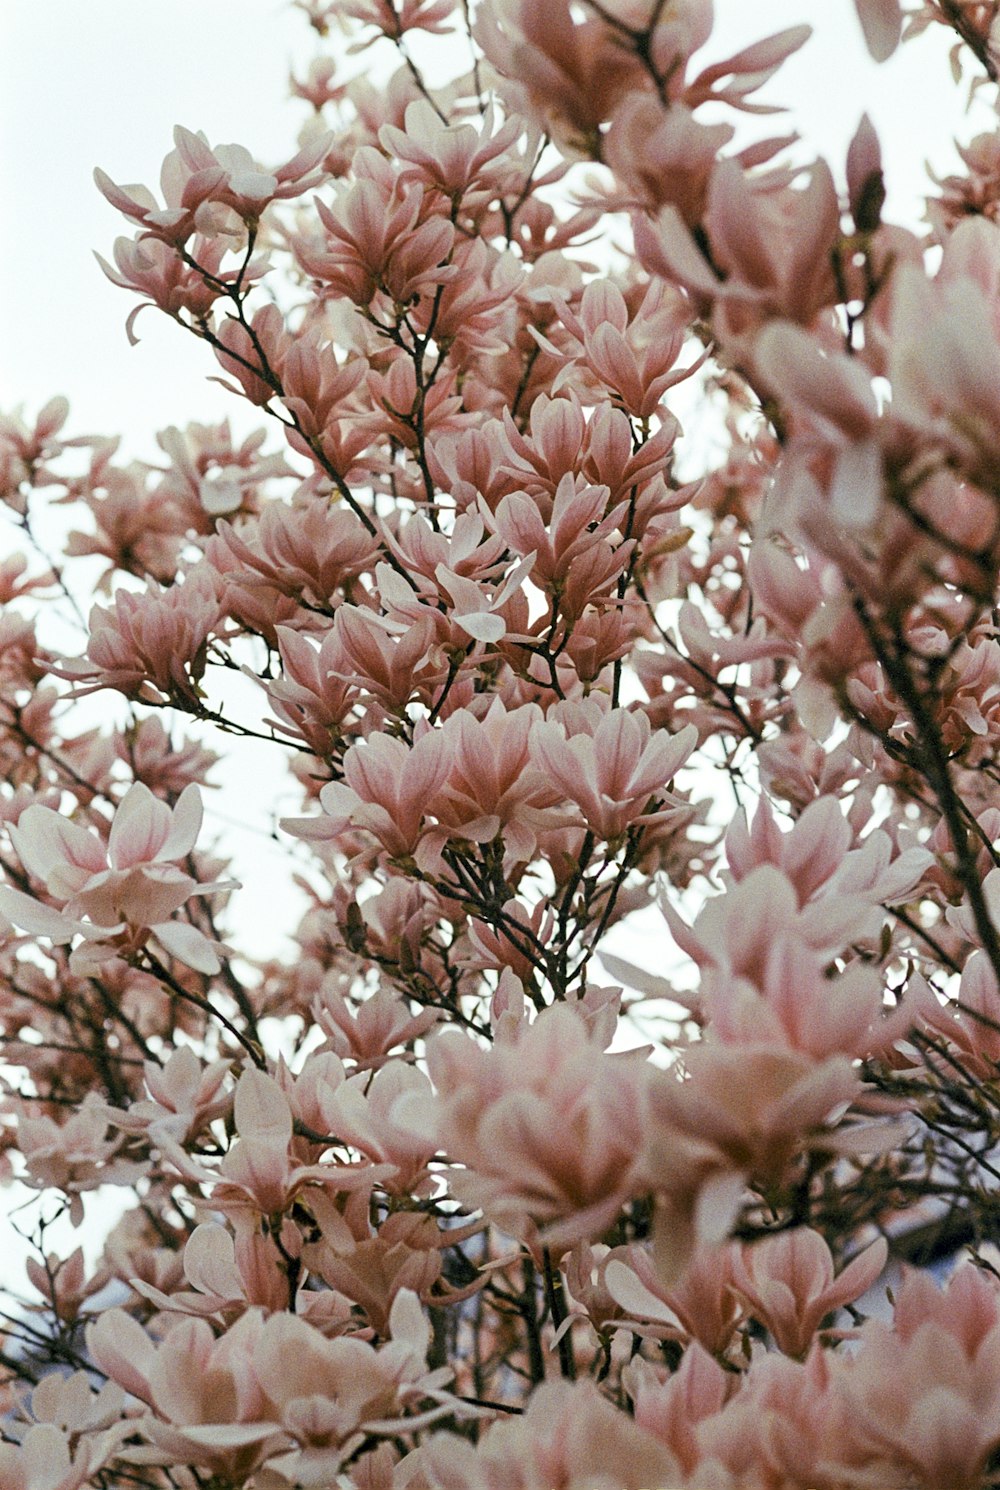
(188, 945)
(140, 828)
(185, 825)
(46, 840)
(37, 919)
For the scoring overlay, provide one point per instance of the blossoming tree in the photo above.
(416, 1209)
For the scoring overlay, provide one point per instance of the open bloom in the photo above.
(75, 1157)
(547, 1125)
(199, 184)
(151, 646)
(925, 1391)
(615, 769)
(787, 1283)
(272, 1387)
(118, 894)
(742, 1112)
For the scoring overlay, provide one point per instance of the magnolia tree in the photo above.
(415, 1207)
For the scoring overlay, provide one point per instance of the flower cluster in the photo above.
(639, 1027)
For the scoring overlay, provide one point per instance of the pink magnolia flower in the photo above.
(492, 784)
(138, 530)
(64, 1282)
(329, 1394)
(945, 348)
(120, 895)
(48, 1459)
(254, 356)
(23, 663)
(306, 550)
(185, 197)
(465, 551)
(663, 157)
(789, 1425)
(969, 1023)
(546, 1126)
(772, 249)
(151, 646)
(34, 444)
(156, 270)
(25, 452)
(394, 18)
(787, 1284)
(630, 356)
(500, 948)
(388, 661)
(399, 408)
(75, 1157)
(569, 1435)
(166, 763)
(795, 1005)
(451, 158)
(826, 895)
(361, 1112)
(471, 312)
(248, 601)
(672, 1407)
(315, 391)
(243, 184)
(387, 790)
(837, 411)
(260, 1172)
(925, 1392)
(16, 582)
(72, 1405)
(369, 1033)
(228, 1274)
(617, 774)
(701, 1305)
(377, 238)
(741, 1111)
(786, 593)
(208, 1406)
(579, 520)
(185, 1096)
(404, 1253)
(319, 85)
(202, 186)
(570, 75)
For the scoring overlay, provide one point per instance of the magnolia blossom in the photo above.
(618, 775)
(288, 1395)
(76, 1156)
(788, 1284)
(742, 1111)
(184, 1098)
(546, 1127)
(151, 646)
(923, 1390)
(117, 896)
(569, 1436)
(197, 182)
